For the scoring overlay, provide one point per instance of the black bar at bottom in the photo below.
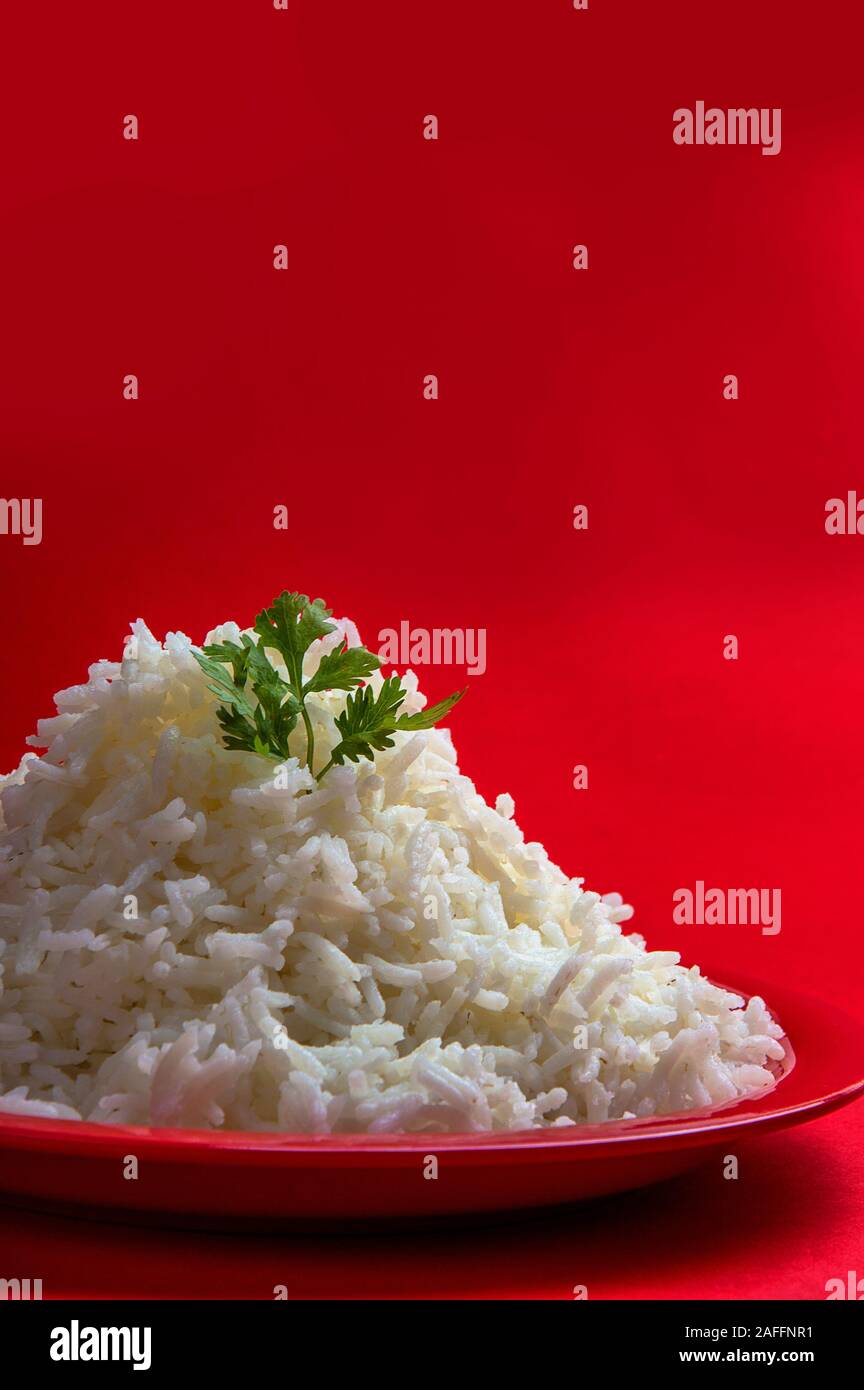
(65, 1337)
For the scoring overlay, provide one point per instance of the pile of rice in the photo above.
(187, 940)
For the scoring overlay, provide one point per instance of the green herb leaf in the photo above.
(237, 657)
(367, 721)
(255, 728)
(291, 624)
(430, 716)
(238, 732)
(342, 669)
(222, 684)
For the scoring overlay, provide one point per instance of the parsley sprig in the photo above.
(260, 708)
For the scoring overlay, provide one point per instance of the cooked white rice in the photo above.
(187, 940)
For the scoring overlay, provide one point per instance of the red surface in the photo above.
(781, 1231)
(557, 387)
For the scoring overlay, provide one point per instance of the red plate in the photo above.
(254, 1181)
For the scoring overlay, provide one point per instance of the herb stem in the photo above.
(324, 769)
(310, 738)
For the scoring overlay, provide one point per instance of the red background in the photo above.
(558, 387)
